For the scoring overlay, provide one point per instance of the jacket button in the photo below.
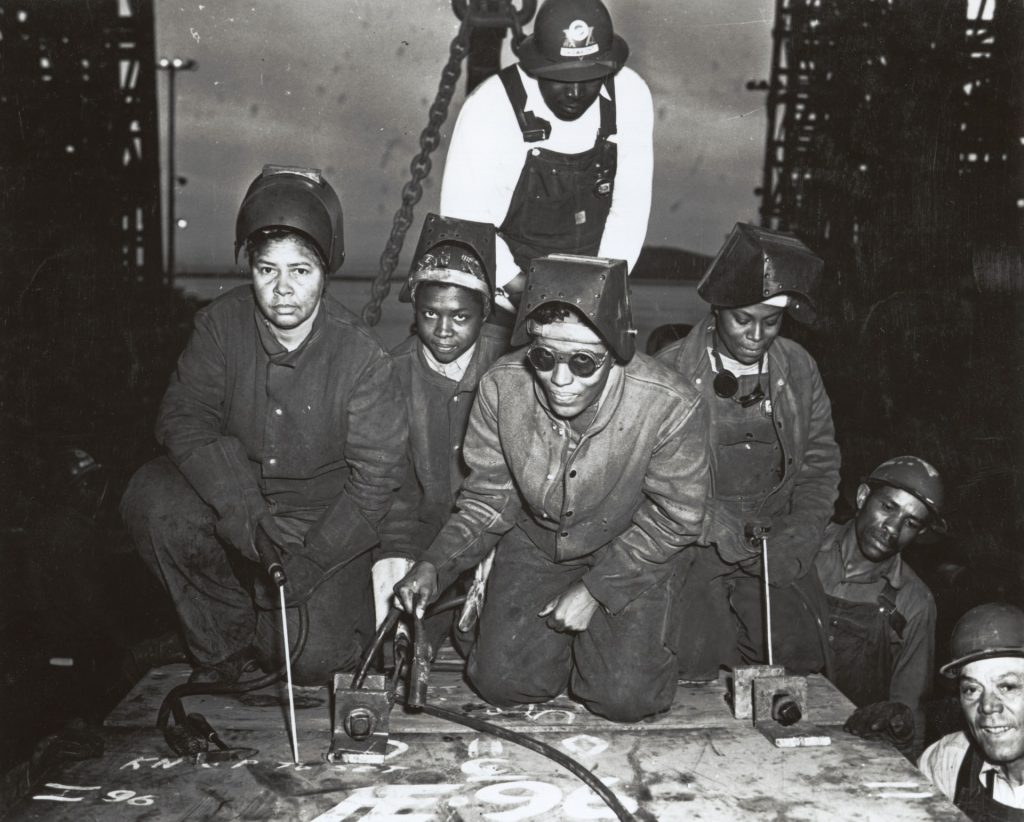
(572, 473)
(278, 411)
(272, 461)
(455, 398)
(565, 533)
(569, 513)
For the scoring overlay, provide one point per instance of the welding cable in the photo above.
(567, 762)
(172, 702)
(387, 625)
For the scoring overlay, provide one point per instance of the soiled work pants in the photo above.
(622, 667)
(225, 603)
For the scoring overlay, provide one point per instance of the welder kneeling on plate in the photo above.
(590, 461)
(284, 425)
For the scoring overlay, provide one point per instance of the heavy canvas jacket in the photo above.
(801, 505)
(256, 428)
(438, 411)
(631, 489)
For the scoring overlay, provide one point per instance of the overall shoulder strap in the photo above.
(534, 128)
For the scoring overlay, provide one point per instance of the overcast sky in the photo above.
(345, 85)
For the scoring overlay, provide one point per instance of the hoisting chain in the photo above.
(430, 138)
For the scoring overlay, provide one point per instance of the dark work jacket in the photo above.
(630, 491)
(438, 410)
(801, 505)
(256, 428)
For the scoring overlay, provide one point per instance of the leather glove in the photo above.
(474, 604)
(889, 721)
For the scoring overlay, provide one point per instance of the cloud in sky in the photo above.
(345, 86)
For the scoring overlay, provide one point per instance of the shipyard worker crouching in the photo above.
(451, 287)
(774, 458)
(284, 427)
(557, 149)
(590, 462)
(982, 769)
(880, 616)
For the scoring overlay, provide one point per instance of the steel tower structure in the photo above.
(80, 154)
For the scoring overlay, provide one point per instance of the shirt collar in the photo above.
(454, 370)
(277, 352)
(890, 570)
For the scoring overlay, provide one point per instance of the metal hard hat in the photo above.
(917, 477)
(995, 629)
(294, 198)
(757, 264)
(440, 231)
(572, 41)
(596, 287)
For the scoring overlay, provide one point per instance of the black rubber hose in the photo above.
(567, 762)
(172, 702)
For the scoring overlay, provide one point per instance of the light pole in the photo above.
(172, 65)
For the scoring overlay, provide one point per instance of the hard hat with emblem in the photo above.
(453, 252)
(572, 41)
(757, 265)
(917, 477)
(992, 630)
(595, 286)
(297, 199)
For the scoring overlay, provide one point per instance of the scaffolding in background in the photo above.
(80, 157)
(896, 123)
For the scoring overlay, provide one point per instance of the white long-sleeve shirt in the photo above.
(487, 153)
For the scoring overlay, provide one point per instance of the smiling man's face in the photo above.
(992, 698)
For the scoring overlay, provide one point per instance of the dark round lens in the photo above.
(541, 358)
(582, 365)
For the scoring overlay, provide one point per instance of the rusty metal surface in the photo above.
(699, 762)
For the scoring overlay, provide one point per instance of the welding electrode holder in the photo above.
(270, 557)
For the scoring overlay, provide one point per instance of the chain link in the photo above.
(412, 191)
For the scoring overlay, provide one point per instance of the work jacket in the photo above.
(801, 504)
(438, 417)
(258, 429)
(631, 489)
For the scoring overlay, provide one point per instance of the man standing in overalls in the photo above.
(881, 616)
(556, 150)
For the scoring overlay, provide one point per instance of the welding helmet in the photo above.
(572, 41)
(995, 629)
(453, 252)
(594, 286)
(917, 477)
(757, 265)
(296, 199)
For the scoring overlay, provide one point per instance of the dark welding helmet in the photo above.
(594, 286)
(572, 41)
(757, 265)
(297, 199)
(454, 252)
(917, 477)
(984, 632)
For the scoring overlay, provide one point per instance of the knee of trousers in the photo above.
(503, 687)
(622, 700)
(159, 507)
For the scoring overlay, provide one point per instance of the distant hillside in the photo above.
(664, 263)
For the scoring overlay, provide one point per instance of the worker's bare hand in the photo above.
(571, 611)
(417, 589)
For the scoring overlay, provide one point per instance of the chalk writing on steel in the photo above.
(585, 746)
(67, 794)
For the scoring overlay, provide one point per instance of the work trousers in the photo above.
(722, 612)
(225, 603)
(622, 666)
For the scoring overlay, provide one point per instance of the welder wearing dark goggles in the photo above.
(589, 462)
